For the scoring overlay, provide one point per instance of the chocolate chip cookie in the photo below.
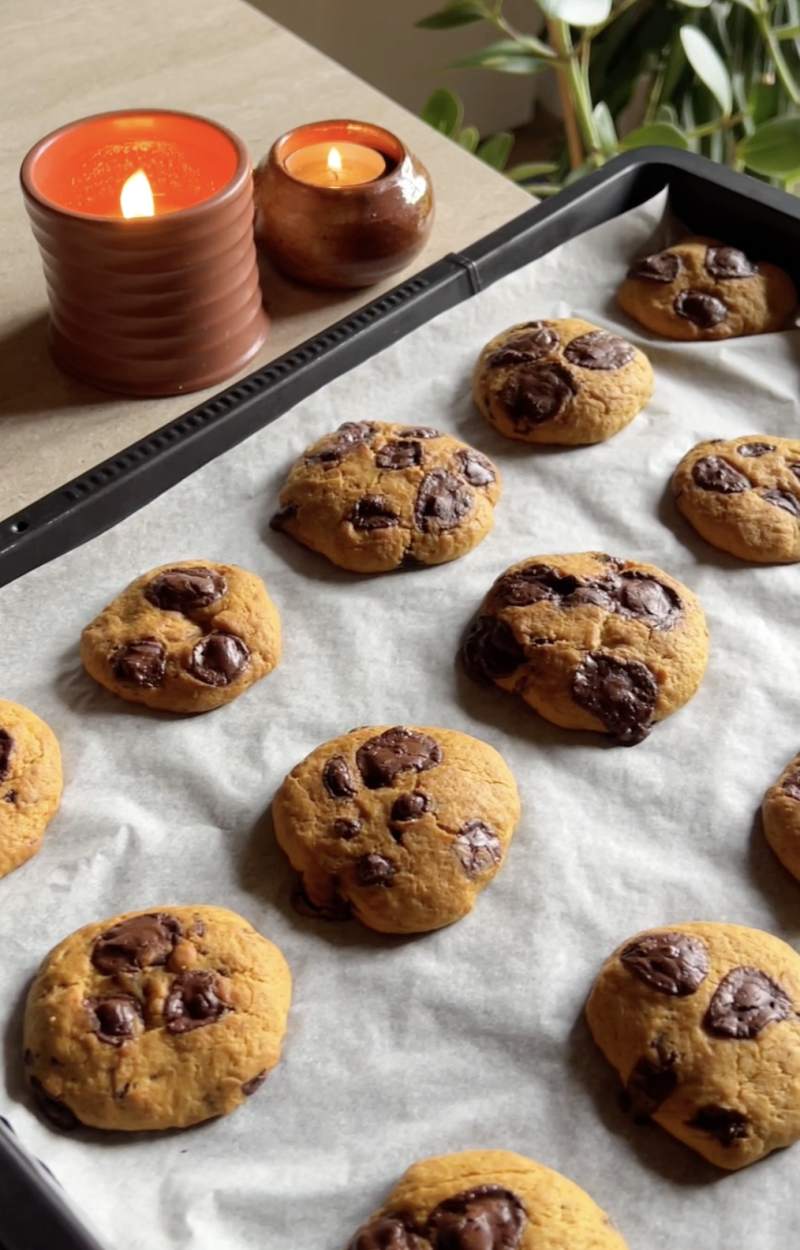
(591, 642)
(780, 811)
(373, 496)
(155, 1020)
(702, 289)
(743, 496)
(30, 783)
(402, 826)
(562, 381)
(701, 1022)
(185, 637)
(486, 1200)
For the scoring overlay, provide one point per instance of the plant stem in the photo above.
(776, 52)
(575, 98)
(721, 123)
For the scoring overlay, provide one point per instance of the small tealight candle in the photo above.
(342, 165)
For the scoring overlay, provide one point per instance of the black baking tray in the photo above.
(710, 200)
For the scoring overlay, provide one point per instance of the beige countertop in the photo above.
(65, 59)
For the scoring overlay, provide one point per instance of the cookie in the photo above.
(702, 289)
(185, 637)
(560, 382)
(780, 813)
(403, 826)
(486, 1200)
(30, 783)
(374, 496)
(701, 1022)
(155, 1020)
(743, 496)
(591, 642)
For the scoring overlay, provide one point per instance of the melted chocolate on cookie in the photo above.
(478, 847)
(373, 512)
(141, 663)
(346, 829)
(632, 593)
(782, 499)
(745, 1002)
(193, 1002)
(487, 1217)
(701, 309)
(649, 1085)
(218, 659)
(396, 751)
(374, 870)
(477, 468)
(714, 473)
(399, 455)
(56, 1111)
(660, 267)
(385, 1232)
(114, 1017)
(620, 693)
(791, 785)
(411, 806)
(755, 449)
(727, 263)
(255, 1082)
(535, 342)
(6, 752)
(535, 394)
(337, 778)
(186, 590)
(599, 350)
(278, 521)
(725, 1125)
(672, 963)
(338, 445)
(136, 943)
(442, 502)
(490, 650)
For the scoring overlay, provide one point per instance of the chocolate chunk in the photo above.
(701, 309)
(346, 829)
(535, 394)
(27, 1057)
(396, 751)
(649, 1085)
(374, 870)
(373, 512)
(490, 649)
(255, 1082)
(791, 785)
(745, 1002)
(647, 600)
(411, 806)
(442, 502)
(660, 267)
(136, 943)
(599, 350)
(477, 468)
(487, 1217)
(385, 1232)
(620, 693)
(283, 515)
(794, 468)
(531, 584)
(421, 431)
(721, 1122)
(782, 499)
(714, 473)
(478, 847)
(193, 1002)
(399, 455)
(56, 1111)
(219, 659)
(729, 262)
(335, 909)
(672, 963)
(141, 663)
(337, 778)
(539, 341)
(185, 590)
(114, 1017)
(754, 449)
(338, 445)
(6, 751)
(9, 796)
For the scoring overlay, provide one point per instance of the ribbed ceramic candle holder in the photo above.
(154, 305)
(343, 236)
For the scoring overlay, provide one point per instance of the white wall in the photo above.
(377, 40)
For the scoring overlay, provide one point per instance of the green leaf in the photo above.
(764, 102)
(667, 113)
(459, 13)
(788, 32)
(468, 138)
(496, 151)
(605, 128)
(577, 12)
(660, 134)
(443, 111)
(504, 56)
(542, 189)
(752, 5)
(708, 65)
(694, 4)
(772, 149)
(531, 169)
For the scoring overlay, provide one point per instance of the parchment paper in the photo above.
(473, 1036)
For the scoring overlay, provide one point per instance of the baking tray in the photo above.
(34, 1212)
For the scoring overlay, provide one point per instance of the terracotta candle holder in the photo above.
(348, 224)
(147, 305)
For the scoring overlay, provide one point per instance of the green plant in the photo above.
(720, 77)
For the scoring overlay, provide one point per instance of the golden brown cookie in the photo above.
(374, 496)
(30, 783)
(701, 1022)
(702, 289)
(780, 811)
(562, 381)
(591, 642)
(743, 495)
(486, 1200)
(404, 826)
(155, 1020)
(185, 637)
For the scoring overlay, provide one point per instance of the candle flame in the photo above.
(334, 161)
(136, 199)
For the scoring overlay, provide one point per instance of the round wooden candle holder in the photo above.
(343, 235)
(154, 305)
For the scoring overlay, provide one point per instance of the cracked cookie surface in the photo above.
(403, 826)
(185, 637)
(155, 1019)
(590, 642)
(702, 289)
(743, 496)
(374, 496)
(564, 381)
(486, 1200)
(701, 1022)
(30, 783)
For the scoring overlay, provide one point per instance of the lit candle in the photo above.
(336, 165)
(136, 197)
